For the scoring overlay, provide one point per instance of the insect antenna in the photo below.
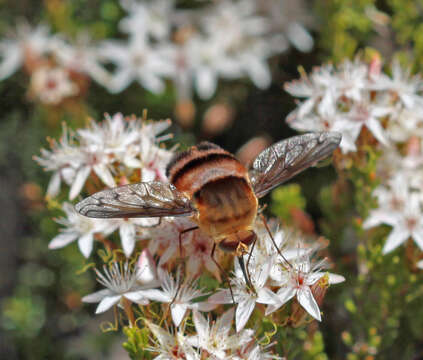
(273, 241)
(225, 275)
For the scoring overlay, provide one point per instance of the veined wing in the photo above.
(148, 199)
(283, 160)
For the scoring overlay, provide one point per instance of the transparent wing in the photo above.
(152, 199)
(283, 160)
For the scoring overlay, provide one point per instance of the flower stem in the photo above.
(128, 310)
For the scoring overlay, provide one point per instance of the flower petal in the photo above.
(418, 237)
(243, 313)
(205, 82)
(107, 303)
(62, 240)
(178, 312)
(137, 297)
(397, 236)
(97, 296)
(85, 243)
(53, 187)
(156, 295)
(285, 294)
(266, 296)
(201, 324)
(79, 182)
(335, 278)
(306, 299)
(104, 174)
(127, 234)
(221, 297)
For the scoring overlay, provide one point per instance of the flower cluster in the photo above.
(278, 271)
(278, 276)
(356, 98)
(228, 39)
(114, 152)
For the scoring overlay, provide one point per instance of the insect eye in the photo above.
(247, 236)
(230, 243)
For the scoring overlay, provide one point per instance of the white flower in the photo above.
(245, 297)
(288, 19)
(341, 99)
(115, 145)
(171, 346)
(128, 228)
(28, 42)
(146, 271)
(147, 19)
(207, 60)
(420, 264)
(179, 295)
(120, 282)
(296, 279)
(73, 162)
(136, 60)
(328, 118)
(78, 228)
(198, 252)
(405, 123)
(154, 159)
(165, 237)
(97, 162)
(234, 22)
(65, 156)
(407, 88)
(253, 351)
(367, 114)
(406, 221)
(316, 87)
(82, 57)
(118, 138)
(237, 27)
(51, 85)
(215, 338)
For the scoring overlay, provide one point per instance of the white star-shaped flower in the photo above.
(215, 338)
(244, 296)
(406, 222)
(136, 60)
(120, 281)
(296, 279)
(179, 295)
(79, 228)
(171, 346)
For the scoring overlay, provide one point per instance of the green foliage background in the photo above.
(375, 315)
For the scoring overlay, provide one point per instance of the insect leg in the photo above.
(273, 240)
(180, 238)
(249, 256)
(244, 272)
(222, 271)
(154, 225)
(181, 257)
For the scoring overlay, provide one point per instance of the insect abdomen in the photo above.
(225, 206)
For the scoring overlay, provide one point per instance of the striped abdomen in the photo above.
(218, 185)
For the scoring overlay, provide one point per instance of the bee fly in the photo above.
(211, 186)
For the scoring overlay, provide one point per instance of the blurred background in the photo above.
(67, 61)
